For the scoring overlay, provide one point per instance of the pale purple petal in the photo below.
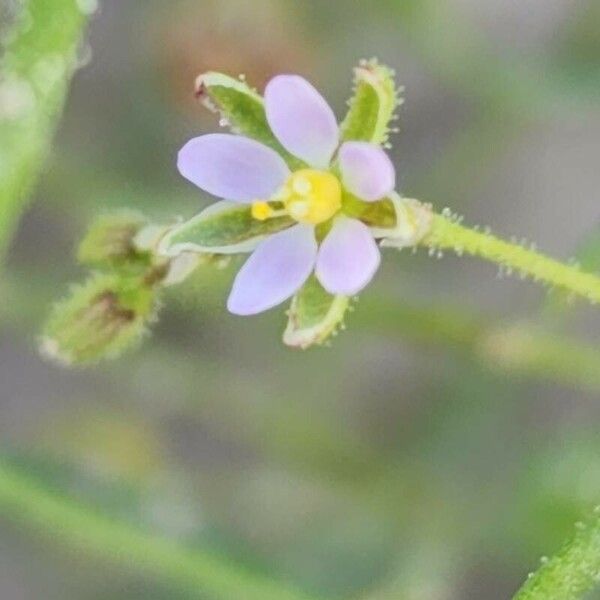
(348, 258)
(232, 167)
(274, 272)
(301, 119)
(367, 171)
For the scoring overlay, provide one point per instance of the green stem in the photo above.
(570, 573)
(61, 519)
(446, 233)
(39, 59)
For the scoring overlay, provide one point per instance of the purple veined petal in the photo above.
(274, 272)
(348, 257)
(301, 119)
(367, 171)
(232, 167)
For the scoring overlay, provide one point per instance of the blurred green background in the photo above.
(418, 457)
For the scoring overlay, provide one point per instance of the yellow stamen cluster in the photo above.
(312, 196)
(308, 196)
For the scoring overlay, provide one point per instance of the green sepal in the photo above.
(110, 242)
(100, 319)
(223, 228)
(242, 108)
(314, 315)
(412, 223)
(373, 104)
(381, 213)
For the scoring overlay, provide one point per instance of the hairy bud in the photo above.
(100, 319)
(110, 242)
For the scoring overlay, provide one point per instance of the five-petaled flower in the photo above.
(323, 237)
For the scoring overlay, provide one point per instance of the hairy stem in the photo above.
(446, 233)
(570, 573)
(39, 59)
(83, 530)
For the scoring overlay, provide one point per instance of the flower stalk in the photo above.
(447, 233)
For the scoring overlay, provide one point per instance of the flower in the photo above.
(321, 197)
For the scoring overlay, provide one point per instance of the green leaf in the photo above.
(242, 108)
(373, 104)
(572, 572)
(100, 319)
(222, 228)
(314, 315)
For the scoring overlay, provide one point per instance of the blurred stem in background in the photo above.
(82, 529)
(40, 57)
(520, 348)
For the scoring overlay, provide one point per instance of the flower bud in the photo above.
(110, 241)
(100, 319)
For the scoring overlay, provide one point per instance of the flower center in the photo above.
(311, 196)
(308, 196)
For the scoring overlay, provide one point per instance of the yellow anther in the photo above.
(312, 196)
(301, 185)
(261, 211)
(299, 210)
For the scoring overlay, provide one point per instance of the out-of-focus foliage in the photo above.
(38, 59)
(429, 453)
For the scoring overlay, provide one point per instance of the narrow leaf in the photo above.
(373, 104)
(240, 107)
(223, 228)
(314, 315)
